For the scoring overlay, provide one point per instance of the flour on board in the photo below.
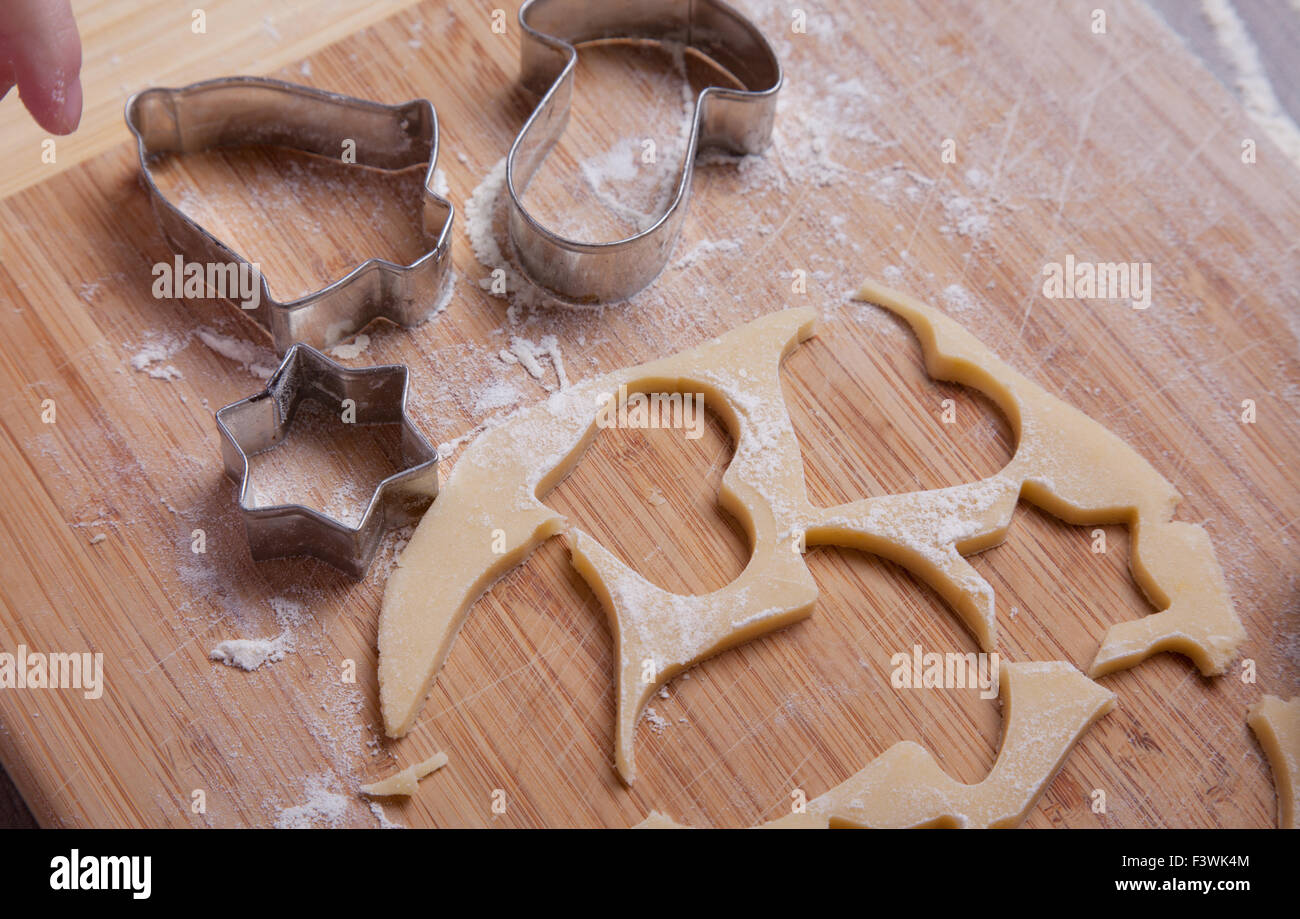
(252, 653)
(323, 807)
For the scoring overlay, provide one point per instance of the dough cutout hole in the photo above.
(545, 639)
(306, 220)
(875, 610)
(650, 495)
(870, 421)
(805, 707)
(1044, 615)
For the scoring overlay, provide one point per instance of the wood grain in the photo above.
(1116, 147)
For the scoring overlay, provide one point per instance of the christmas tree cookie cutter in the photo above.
(238, 111)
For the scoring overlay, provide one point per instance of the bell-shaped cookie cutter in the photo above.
(237, 111)
(261, 421)
(735, 120)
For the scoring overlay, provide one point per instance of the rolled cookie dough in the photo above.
(408, 780)
(1277, 725)
(1047, 707)
(489, 517)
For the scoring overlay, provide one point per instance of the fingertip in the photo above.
(55, 102)
(46, 65)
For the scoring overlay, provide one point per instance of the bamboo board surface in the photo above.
(1114, 147)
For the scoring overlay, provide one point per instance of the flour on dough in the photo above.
(489, 517)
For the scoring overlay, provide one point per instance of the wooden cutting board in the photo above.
(1114, 147)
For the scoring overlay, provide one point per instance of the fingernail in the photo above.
(67, 100)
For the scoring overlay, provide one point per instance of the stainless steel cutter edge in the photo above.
(738, 121)
(260, 421)
(230, 111)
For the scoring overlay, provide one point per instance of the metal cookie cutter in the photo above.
(236, 111)
(261, 421)
(738, 121)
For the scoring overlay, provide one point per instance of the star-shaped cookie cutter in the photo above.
(378, 396)
(237, 111)
(738, 121)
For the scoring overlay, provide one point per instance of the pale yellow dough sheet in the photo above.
(407, 781)
(1277, 725)
(1047, 706)
(1065, 463)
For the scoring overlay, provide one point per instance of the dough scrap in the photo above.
(1048, 706)
(1277, 725)
(408, 780)
(1065, 463)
